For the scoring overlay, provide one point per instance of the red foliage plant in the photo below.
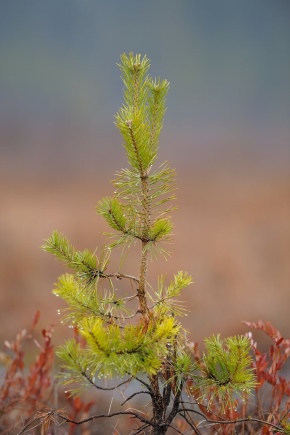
(272, 394)
(29, 393)
(24, 390)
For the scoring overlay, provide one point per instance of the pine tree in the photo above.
(147, 344)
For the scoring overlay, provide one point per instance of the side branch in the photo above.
(122, 276)
(114, 414)
(238, 420)
(98, 387)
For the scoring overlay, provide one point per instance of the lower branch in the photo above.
(114, 414)
(133, 395)
(123, 276)
(238, 420)
(98, 387)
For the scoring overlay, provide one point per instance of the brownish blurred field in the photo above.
(232, 233)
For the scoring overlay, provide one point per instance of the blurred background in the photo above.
(226, 132)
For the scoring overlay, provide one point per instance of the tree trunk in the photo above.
(160, 430)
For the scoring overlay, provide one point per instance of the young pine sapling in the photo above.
(146, 344)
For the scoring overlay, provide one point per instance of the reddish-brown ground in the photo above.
(232, 234)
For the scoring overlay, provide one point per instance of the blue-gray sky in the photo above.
(228, 63)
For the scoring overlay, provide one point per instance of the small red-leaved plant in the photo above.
(272, 394)
(29, 393)
(24, 390)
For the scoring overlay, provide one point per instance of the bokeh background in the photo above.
(226, 132)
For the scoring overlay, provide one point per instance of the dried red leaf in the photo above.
(279, 341)
(36, 318)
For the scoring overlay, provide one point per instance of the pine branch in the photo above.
(225, 371)
(85, 263)
(136, 415)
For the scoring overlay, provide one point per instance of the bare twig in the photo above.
(238, 420)
(98, 387)
(133, 395)
(114, 414)
(190, 423)
(123, 276)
